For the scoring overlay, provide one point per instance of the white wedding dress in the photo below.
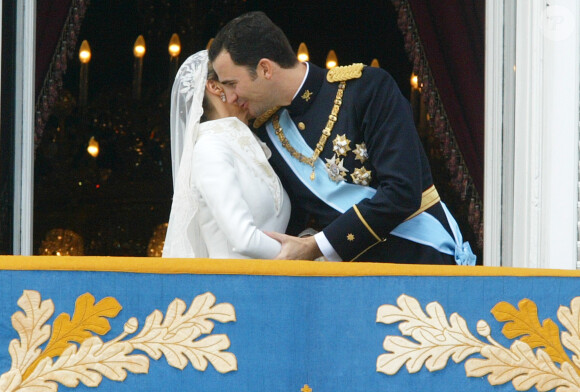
(225, 191)
(233, 195)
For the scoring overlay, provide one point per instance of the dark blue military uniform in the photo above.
(375, 115)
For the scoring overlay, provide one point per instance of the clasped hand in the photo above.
(294, 248)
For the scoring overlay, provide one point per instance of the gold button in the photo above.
(301, 126)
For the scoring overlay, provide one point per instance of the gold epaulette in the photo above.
(344, 73)
(260, 120)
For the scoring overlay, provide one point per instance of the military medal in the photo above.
(341, 145)
(335, 169)
(361, 176)
(361, 152)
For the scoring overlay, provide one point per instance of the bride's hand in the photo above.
(294, 248)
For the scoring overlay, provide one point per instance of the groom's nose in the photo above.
(232, 97)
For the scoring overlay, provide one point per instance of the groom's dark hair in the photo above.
(251, 37)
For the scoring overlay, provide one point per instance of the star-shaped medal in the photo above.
(306, 96)
(361, 176)
(335, 169)
(341, 145)
(361, 152)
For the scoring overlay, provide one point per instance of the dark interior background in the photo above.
(116, 204)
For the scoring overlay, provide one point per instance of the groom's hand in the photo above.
(294, 248)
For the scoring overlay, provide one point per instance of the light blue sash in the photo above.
(423, 229)
(338, 195)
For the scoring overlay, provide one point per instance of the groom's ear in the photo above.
(265, 68)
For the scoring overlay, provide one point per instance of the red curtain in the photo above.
(445, 42)
(50, 18)
(452, 33)
(57, 27)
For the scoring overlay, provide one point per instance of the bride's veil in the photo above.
(186, 105)
(183, 236)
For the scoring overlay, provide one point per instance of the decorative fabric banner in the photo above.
(130, 324)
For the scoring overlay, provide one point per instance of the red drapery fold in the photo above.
(445, 43)
(57, 27)
(452, 34)
(50, 18)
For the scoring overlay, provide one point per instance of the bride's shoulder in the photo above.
(221, 134)
(222, 125)
(229, 129)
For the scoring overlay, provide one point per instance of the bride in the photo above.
(225, 191)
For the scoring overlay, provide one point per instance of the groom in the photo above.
(346, 149)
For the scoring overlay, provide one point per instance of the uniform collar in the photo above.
(303, 79)
(309, 90)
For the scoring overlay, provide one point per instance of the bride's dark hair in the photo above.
(206, 104)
